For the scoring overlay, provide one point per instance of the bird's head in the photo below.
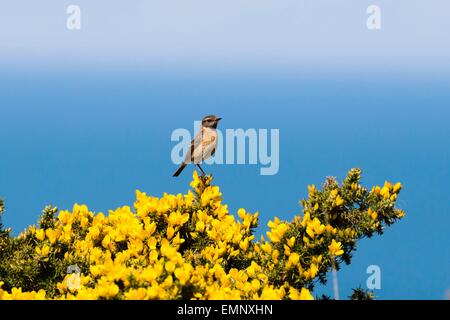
(210, 121)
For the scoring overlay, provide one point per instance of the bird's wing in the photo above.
(209, 142)
(209, 145)
(194, 144)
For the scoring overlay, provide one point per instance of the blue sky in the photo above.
(87, 115)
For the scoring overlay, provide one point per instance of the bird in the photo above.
(203, 145)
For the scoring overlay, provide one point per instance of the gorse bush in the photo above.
(190, 247)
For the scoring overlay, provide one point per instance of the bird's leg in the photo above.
(203, 172)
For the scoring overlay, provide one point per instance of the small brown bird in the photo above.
(204, 144)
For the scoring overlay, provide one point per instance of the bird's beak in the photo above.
(218, 119)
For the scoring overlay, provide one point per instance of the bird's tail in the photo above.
(177, 173)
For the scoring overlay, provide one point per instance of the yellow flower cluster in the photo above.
(17, 294)
(388, 191)
(141, 254)
(288, 242)
(187, 247)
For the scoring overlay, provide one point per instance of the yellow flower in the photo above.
(291, 242)
(84, 221)
(167, 283)
(397, 187)
(287, 250)
(32, 230)
(170, 266)
(136, 294)
(330, 229)
(293, 260)
(317, 259)
(149, 275)
(335, 248)
(314, 227)
(170, 232)
(305, 295)
(339, 201)
(167, 250)
(313, 270)
(372, 214)
(40, 295)
(385, 192)
(400, 213)
(306, 219)
(277, 234)
(305, 240)
(267, 247)
(52, 235)
(177, 219)
(253, 269)
(269, 293)
(152, 243)
(275, 255)
(311, 190)
(183, 274)
(244, 244)
(44, 251)
(273, 224)
(108, 290)
(189, 198)
(40, 234)
(200, 226)
(106, 241)
(241, 213)
(255, 284)
(334, 193)
(64, 216)
(150, 227)
(210, 195)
